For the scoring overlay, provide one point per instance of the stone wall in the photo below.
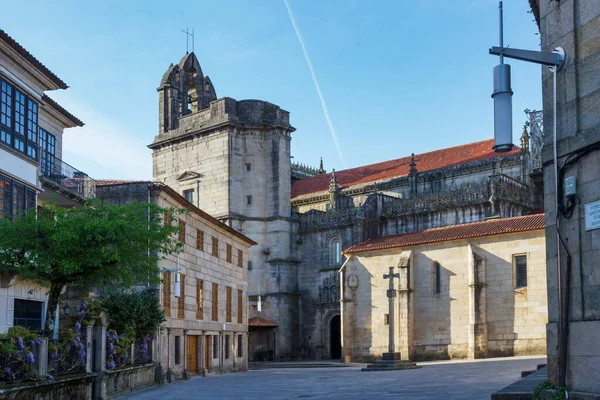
(575, 26)
(447, 324)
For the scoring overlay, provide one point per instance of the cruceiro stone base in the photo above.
(391, 362)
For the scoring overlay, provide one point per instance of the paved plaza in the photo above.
(465, 379)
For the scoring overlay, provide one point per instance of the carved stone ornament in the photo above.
(353, 282)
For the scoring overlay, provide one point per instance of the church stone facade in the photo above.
(232, 159)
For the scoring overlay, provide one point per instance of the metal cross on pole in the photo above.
(391, 293)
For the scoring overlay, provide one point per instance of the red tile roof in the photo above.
(29, 57)
(454, 232)
(109, 182)
(260, 322)
(62, 110)
(400, 167)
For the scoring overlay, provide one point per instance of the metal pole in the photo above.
(561, 366)
(501, 30)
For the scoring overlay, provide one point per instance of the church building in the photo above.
(232, 159)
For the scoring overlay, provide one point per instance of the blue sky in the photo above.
(397, 76)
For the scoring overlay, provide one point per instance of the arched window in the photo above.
(335, 251)
(437, 278)
(334, 294)
(326, 294)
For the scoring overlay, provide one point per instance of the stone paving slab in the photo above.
(463, 380)
(523, 388)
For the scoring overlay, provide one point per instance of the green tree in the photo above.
(101, 244)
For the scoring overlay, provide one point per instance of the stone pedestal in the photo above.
(391, 362)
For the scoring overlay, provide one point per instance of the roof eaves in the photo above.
(30, 58)
(76, 121)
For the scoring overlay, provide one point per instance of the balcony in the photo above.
(64, 182)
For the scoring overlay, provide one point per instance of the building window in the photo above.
(215, 302)
(249, 265)
(240, 346)
(249, 200)
(215, 346)
(240, 258)
(227, 346)
(18, 120)
(520, 263)
(215, 247)
(48, 153)
(437, 275)
(199, 240)
(228, 305)
(335, 251)
(15, 199)
(240, 305)
(181, 299)
(386, 319)
(248, 167)
(229, 252)
(199, 299)
(167, 294)
(182, 231)
(177, 350)
(28, 313)
(189, 195)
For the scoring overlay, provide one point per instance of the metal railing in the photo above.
(67, 359)
(142, 351)
(13, 367)
(59, 172)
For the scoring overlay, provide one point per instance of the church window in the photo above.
(248, 167)
(249, 200)
(520, 263)
(189, 195)
(326, 294)
(249, 265)
(437, 277)
(334, 294)
(335, 251)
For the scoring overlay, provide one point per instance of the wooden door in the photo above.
(207, 350)
(192, 355)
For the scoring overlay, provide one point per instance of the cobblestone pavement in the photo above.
(436, 380)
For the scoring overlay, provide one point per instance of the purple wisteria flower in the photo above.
(20, 344)
(29, 358)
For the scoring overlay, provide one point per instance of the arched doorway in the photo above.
(335, 338)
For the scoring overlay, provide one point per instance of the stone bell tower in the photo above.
(183, 90)
(232, 159)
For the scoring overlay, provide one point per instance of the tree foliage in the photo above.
(100, 244)
(138, 310)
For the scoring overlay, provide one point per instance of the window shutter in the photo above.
(215, 302)
(199, 299)
(199, 240)
(228, 305)
(167, 294)
(240, 307)
(181, 300)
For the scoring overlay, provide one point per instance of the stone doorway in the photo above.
(335, 338)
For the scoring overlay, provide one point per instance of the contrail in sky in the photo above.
(314, 78)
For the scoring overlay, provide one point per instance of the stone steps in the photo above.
(391, 365)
